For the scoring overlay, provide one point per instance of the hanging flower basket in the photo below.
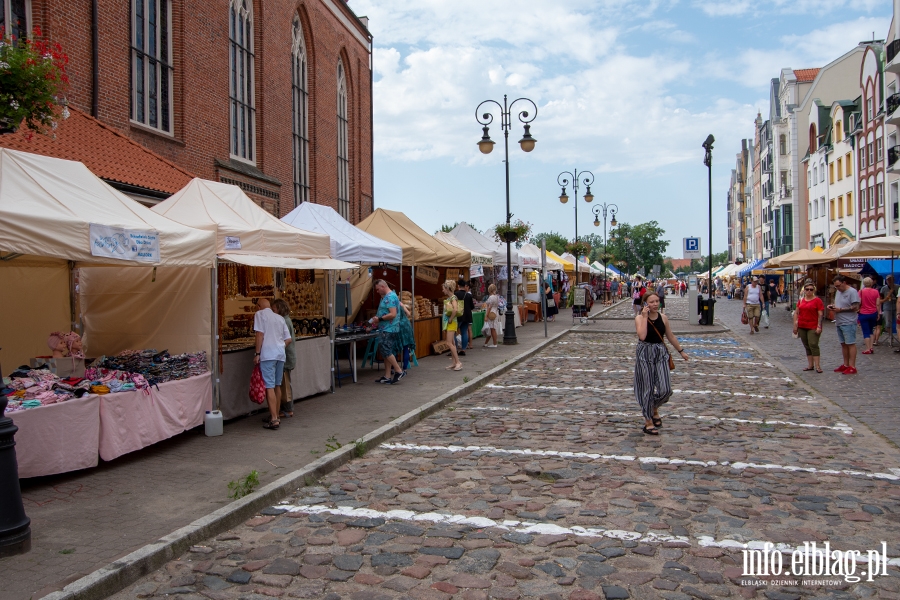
(512, 232)
(579, 249)
(34, 78)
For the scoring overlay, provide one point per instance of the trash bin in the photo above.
(707, 310)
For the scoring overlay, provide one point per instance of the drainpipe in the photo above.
(95, 58)
(371, 116)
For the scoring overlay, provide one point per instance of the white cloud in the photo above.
(735, 8)
(725, 8)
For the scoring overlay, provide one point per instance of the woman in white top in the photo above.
(492, 327)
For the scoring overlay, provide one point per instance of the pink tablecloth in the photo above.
(58, 438)
(130, 421)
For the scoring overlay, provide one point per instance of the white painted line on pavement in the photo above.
(530, 527)
(738, 465)
(525, 386)
(674, 373)
(842, 427)
(740, 363)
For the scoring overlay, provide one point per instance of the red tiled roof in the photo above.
(109, 154)
(805, 75)
(679, 263)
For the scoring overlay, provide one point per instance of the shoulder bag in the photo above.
(671, 360)
(491, 312)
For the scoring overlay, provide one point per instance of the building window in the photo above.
(809, 179)
(838, 131)
(840, 168)
(14, 17)
(879, 149)
(343, 153)
(871, 197)
(782, 144)
(862, 156)
(862, 199)
(871, 162)
(870, 112)
(831, 173)
(300, 93)
(242, 85)
(848, 161)
(809, 211)
(151, 63)
(879, 191)
(822, 173)
(849, 203)
(831, 209)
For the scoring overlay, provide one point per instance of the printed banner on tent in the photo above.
(476, 271)
(857, 262)
(232, 242)
(428, 274)
(124, 244)
(481, 260)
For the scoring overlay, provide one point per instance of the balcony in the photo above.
(893, 159)
(893, 61)
(892, 103)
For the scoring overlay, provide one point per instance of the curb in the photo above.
(121, 573)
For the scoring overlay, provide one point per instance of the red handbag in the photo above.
(257, 386)
(744, 319)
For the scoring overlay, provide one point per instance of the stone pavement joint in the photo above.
(125, 571)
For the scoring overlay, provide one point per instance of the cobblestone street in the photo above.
(541, 484)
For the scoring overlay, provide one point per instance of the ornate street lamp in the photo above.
(611, 210)
(486, 145)
(563, 180)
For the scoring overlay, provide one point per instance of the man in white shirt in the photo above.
(272, 335)
(753, 304)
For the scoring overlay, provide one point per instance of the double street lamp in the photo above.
(563, 180)
(611, 210)
(486, 145)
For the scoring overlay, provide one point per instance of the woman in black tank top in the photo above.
(652, 385)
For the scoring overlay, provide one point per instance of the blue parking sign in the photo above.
(692, 247)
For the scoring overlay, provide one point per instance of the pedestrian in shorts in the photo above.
(845, 307)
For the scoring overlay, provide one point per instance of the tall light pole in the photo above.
(707, 160)
(486, 145)
(588, 180)
(598, 210)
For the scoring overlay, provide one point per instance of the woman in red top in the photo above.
(868, 312)
(808, 324)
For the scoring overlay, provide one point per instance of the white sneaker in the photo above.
(491, 346)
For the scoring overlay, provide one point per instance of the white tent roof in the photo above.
(348, 242)
(246, 233)
(582, 267)
(532, 251)
(54, 208)
(478, 258)
(475, 241)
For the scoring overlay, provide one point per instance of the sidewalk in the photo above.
(84, 520)
(871, 396)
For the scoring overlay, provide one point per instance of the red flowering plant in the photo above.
(579, 249)
(33, 83)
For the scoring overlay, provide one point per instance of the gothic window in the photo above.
(14, 17)
(241, 81)
(343, 150)
(151, 64)
(300, 94)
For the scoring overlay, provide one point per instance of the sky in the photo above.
(625, 89)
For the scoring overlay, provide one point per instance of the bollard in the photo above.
(15, 527)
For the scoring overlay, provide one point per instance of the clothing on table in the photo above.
(389, 301)
(290, 352)
(275, 334)
(868, 301)
(844, 300)
(448, 319)
(808, 313)
(810, 340)
(652, 384)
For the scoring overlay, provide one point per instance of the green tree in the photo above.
(596, 242)
(701, 264)
(449, 228)
(638, 245)
(555, 242)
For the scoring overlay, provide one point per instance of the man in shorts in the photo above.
(753, 302)
(272, 335)
(846, 307)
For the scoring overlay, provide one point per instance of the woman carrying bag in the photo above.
(452, 310)
(552, 309)
(652, 384)
(493, 326)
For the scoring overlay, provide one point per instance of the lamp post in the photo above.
(707, 160)
(588, 180)
(599, 209)
(15, 527)
(486, 145)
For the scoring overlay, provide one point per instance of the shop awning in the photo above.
(566, 265)
(419, 248)
(581, 266)
(880, 247)
(56, 208)
(286, 262)
(477, 242)
(348, 242)
(531, 255)
(749, 266)
(240, 225)
(478, 258)
(798, 257)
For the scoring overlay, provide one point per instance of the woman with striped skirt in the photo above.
(652, 386)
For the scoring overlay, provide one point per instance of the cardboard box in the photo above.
(62, 367)
(440, 347)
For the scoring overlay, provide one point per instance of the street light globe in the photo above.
(527, 142)
(486, 144)
(563, 197)
(613, 223)
(589, 197)
(596, 221)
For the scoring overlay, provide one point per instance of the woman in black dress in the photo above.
(552, 309)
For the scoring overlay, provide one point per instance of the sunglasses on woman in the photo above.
(810, 289)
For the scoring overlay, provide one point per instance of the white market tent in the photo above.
(53, 211)
(534, 252)
(475, 241)
(582, 267)
(879, 247)
(478, 258)
(348, 242)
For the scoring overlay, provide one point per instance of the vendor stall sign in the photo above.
(428, 274)
(482, 260)
(476, 271)
(454, 274)
(232, 242)
(852, 263)
(124, 244)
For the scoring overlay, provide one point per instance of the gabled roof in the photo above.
(108, 154)
(805, 75)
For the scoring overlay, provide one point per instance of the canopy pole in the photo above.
(214, 333)
(543, 284)
(412, 276)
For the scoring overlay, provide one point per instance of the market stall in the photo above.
(427, 263)
(59, 223)
(259, 256)
(531, 256)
